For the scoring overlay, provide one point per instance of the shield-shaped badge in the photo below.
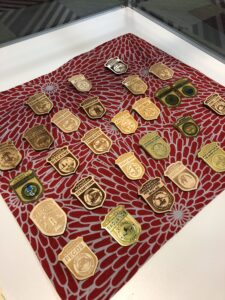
(40, 104)
(66, 121)
(97, 141)
(130, 166)
(38, 137)
(161, 71)
(116, 65)
(146, 109)
(49, 217)
(93, 107)
(79, 259)
(125, 122)
(216, 103)
(81, 83)
(63, 161)
(214, 156)
(185, 87)
(89, 193)
(183, 177)
(155, 145)
(10, 157)
(187, 126)
(27, 186)
(122, 226)
(157, 196)
(135, 84)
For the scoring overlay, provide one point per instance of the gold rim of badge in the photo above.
(66, 121)
(40, 103)
(93, 107)
(187, 126)
(79, 259)
(125, 122)
(116, 65)
(146, 109)
(135, 84)
(38, 137)
(161, 71)
(214, 156)
(10, 157)
(182, 176)
(216, 103)
(81, 83)
(49, 217)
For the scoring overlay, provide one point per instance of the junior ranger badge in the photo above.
(40, 104)
(63, 161)
(146, 109)
(216, 103)
(187, 126)
(161, 71)
(93, 107)
(135, 84)
(130, 166)
(38, 137)
(66, 121)
(125, 122)
(116, 65)
(183, 177)
(79, 259)
(185, 87)
(155, 145)
(97, 141)
(81, 83)
(10, 157)
(89, 193)
(157, 196)
(168, 96)
(27, 186)
(214, 156)
(122, 226)
(49, 217)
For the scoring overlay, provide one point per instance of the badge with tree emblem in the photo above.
(116, 65)
(38, 137)
(93, 107)
(161, 71)
(40, 103)
(66, 121)
(216, 103)
(10, 157)
(81, 83)
(135, 84)
(125, 122)
(187, 126)
(146, 109)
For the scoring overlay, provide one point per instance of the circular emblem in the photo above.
(164, 73)
(30, 190)
(101, 144)
(127, 232)
(9, 158)
(160, 149)
(67, 164)
(93, 196)
(128, 125)
(172, 100)
(220, 106)
(69, 124)
(83, 85)
(161, 200)
(83, 264)
(190, 128)
(186, 180)
(95, 110)
(43, 106)
(149, 112)
(120, 68)
(138, 87)
(188, 90)
(218, 161)
(134, 170)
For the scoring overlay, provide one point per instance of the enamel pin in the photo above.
(214, 156)
(135, 84)
(93, 107)
(161, 71)
(66, 121)
(125, 122)
(146, 109)
(38, 137)
(216, 103)
(187, 126)
(116, 65)
(81, 83)
(40, 103)
(10, 157)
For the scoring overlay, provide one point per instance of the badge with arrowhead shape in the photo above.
(185, 87)
(38, 137)
(10, 157)
(157, 196)
(93, 107)
(130, 166)
(216, 103)
(135, 84)
(155, 145)
(80, 83)
(125, 122)
(79, 259)
(116, 65)
(122, 226)
(49, 217)
(40, 103)
(187, 126)
(66, 121)
(214, 156)
(27, 186)
(183, 177)
(146, 109)
(63, 161)
(89, 193)
(161, 71)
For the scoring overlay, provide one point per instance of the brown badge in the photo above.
(93, 107)
(135, 85)
(146, 109)
(66, 121)
(63, 161)
(161, 71)
(79, 259)
(38, 137)
(214, 156)
(40, 104)
(125, 122)
(10, 157)
(216, 103)
(49, 217)
(187, 126)
(81, 83)
(130, 166)
(157, 196)
(89, 193)
(183, 177)
(97, 141)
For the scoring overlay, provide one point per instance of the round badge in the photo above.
(93, 197)
(30, 190)
(190, 128)
(127, 232)
(188, 90)
(172, 100)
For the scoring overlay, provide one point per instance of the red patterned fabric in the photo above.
(117, 264)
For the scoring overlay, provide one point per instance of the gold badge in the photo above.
(97, 141)
(81, 83)
(214, 156)
(185, 87)
(146, 109)
(184, 178)
(122, 226)
(157, 196)
(135, 84)
(40, 104)
(66, 121)
(38, 137)
(116, 65)
(216, 103)
(89, 193)
(161, 71)
(10, 157)
(63, 161)
(125, 122)
(130, 166)
(79, 259)
(27, 186)
(155, 145)
(49, 217)
(93, 107)
(187, 126)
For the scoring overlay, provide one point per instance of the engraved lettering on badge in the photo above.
(116, 65)
(10, 157)
(66, 121)
(79, 259)
(187, 126)
(135, 84)
(93, 107)
(81, 83)
(38, 137)
(146, 109)
(216, 103)
(125, 122)
(40, 103)
(161, 71)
